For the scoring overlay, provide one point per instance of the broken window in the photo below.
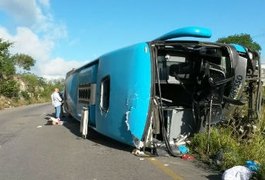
(105, 93)
(87, 93)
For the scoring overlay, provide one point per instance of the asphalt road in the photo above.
(31, 150)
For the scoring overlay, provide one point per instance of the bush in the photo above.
(25, 95)
(261, 174)
(9, 88)
(220, 141)
(233, 152)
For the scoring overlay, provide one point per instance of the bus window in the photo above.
(105, 93)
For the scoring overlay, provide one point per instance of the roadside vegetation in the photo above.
(21, 88)
(226, 149)
(237, 140)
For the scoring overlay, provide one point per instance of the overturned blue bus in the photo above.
(150, 93)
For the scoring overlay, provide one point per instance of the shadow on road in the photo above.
(214, 174)
(214, 177)
(97, 139)
(74, 127)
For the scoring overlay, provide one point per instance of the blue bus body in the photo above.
(152, 92)
(129, 73)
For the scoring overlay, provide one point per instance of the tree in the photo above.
(34, 88)
(9, 86)
(31, 81)
(7, 67)
(242, 39)
(8, 61)
(23, 61)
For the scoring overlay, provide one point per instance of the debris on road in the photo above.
(140, 153)
(252, 165)
(241, 172)
(54, 121)
(183, 149)
(237, 173)
(182, 139)
(187, 157)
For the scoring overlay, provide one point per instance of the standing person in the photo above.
(57, 102)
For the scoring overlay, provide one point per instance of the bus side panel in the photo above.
(129, 71)
(71, 84)
(88, 75)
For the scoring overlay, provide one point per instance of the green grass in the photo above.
(233, 151)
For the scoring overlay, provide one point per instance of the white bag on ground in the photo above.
(237, 173)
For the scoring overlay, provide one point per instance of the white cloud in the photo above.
(25, 12)
(32, 14)
(26, 41)
(45, 2)
(36, 34)
(4, 34)
(58, 67)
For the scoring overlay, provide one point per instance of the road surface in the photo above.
(31, 150)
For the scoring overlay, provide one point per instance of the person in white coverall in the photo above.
(57, 102)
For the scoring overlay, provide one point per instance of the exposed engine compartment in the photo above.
(193, 84)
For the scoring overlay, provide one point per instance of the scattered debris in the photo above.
(183, 149)
(187, 157)
(182, 140)
(252, 165)
(138, 144)
(237, 173)
(54, 121)
(241, 172)
(140, 153)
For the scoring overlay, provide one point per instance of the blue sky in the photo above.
(62, 35)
